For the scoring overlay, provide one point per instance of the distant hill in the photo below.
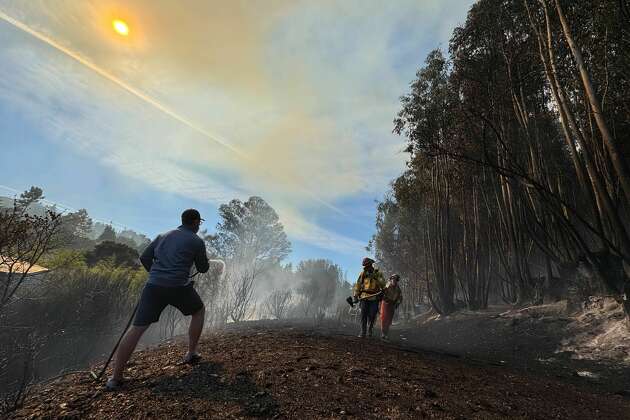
(127, 236)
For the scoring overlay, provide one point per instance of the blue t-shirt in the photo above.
(170, 256)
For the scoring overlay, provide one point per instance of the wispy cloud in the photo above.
(308, 89)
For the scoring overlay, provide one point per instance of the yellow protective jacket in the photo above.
(369, 284)
(392, 294)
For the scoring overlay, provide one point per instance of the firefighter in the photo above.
(367, 290)
(392, 298)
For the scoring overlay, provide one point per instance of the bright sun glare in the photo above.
(120, 27)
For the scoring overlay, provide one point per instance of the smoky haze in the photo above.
(478, 150)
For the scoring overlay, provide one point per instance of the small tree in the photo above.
(212, 289)
(241, 295)
(133, 239)
(251, 240)
(108, 234)
(277, 303)
(24, 239)
(75, 230)
(170, 321)
(318, 286)
(250, 234)
(121, 254)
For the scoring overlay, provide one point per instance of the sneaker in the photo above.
(362, 335)
(191, 358)
(113, 384)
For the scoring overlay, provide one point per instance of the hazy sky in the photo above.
(289, 100)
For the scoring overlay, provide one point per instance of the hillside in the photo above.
(590, 345)
(278, 371)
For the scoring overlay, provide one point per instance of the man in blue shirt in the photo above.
(168, 260)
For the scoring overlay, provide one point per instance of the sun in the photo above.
(121, 27)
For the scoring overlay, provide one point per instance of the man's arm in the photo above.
(201, 259)
(149, 254)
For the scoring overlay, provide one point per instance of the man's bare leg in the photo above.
(194, 330)
(127, 346)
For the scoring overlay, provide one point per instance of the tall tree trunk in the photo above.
(609, 141)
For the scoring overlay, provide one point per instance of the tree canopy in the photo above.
(518, 169)
(251, 233)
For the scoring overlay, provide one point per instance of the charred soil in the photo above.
(590, 348)
(272, 370)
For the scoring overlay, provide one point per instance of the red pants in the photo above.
(387, 315)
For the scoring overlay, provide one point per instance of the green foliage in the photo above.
(24, 239)
(426, 116)
(510, 166)
(126, 241)
(75, 230)
(133, 239)
(29, 197)
(109, 234)
(70, 313)
(68, 259)
(250, 233)
(69, 316)
(116, 253)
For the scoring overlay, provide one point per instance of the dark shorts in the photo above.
(155, 298)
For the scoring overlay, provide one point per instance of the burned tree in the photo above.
(278, 302)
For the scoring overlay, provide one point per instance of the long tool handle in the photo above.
(351, 303)
(118, 342)
(369, 296)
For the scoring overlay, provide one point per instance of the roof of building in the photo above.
(19, 267)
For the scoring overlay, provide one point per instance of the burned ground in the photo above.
(590, 347)
(278, 371)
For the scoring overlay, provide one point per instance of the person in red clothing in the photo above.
(392, 297)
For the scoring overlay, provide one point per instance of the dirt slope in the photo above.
(259, 371)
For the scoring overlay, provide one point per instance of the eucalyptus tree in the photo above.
(517, 158)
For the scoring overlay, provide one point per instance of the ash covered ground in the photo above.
(275, 369)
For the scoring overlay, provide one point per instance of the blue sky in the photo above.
(305, 93)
